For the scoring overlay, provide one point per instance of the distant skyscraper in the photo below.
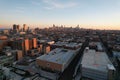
(15, 28)
(62, 26)
(28, 28)
(25, 28)
(53, 25)
(78, 25)
(18, 27)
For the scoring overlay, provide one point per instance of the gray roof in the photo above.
(58, 55)
(68, 44)
(95, 60)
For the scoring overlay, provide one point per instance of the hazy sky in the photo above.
(103, 14)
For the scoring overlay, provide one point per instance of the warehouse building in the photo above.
(97, 66)
(66, 45)
(57, 60)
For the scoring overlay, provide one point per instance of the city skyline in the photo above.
(96, 14)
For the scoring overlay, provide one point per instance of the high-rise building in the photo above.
(16, 28)
(18, 54)
(25, 27)
(34, 40)
(53, 25)
(17, 44)
(44, 48)
(26, 45)
(32, 43)
(20, 44)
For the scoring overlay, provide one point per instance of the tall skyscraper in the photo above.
(16, 28)
(26, 45)
(53, 25)
(25, 27)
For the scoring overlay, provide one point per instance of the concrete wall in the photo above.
(49, 65)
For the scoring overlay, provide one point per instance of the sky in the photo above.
(97, 14)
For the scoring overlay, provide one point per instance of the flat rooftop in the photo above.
(73, 45)
(95, 60)
(58, 55)
(60, 43)
(66, 44)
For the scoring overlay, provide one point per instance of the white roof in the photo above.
(95, 60)
(111, 67)
(58, 55)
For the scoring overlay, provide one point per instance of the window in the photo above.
(48, 65)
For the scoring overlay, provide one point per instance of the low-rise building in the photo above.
(55, 62)
(97, 66)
